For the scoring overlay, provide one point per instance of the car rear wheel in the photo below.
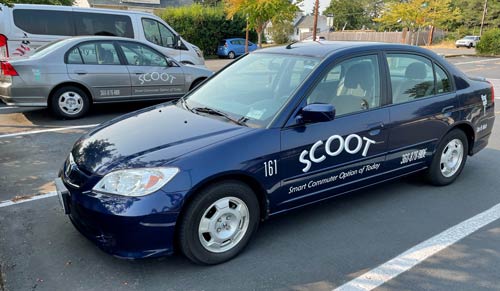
(219, 222)
(69, 102)
(449, 159)
(231, 55)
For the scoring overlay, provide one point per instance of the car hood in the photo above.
(149, 138)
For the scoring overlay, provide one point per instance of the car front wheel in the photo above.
(449, 159)
(219, 222)
(69, 102)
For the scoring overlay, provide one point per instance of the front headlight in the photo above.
(135, 182)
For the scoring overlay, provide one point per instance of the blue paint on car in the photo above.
(233, 47)
(292, 125)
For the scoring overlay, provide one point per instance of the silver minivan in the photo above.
(25, 27)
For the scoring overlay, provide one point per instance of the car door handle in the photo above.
(80, 72)
(140, 73)
(447, 108)
(375, 129)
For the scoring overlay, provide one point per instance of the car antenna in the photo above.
(289, 46)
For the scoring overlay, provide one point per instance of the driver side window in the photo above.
(140, 55)
(352, 85)
(157, 33)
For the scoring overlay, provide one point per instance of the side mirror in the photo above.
(178, 41)
(316, 112)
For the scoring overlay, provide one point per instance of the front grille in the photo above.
(72, 174)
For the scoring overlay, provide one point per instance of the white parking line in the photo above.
(475, 62)
(47, 130)
(32, 198)
(417, 254)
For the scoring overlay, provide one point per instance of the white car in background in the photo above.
(469, 41)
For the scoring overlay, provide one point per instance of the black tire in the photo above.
(78, 94)
(435, 174)
(231, 55)
(470, 45)
(188, 235)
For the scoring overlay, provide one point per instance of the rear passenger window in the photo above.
(412, 77)
(44, 21)
(103, 24)
(95, 54)
(74, 57)
(351, 86)
(442, 81)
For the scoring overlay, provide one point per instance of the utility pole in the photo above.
(484, 14)
(315, 26)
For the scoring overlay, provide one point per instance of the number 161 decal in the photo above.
(271, 168)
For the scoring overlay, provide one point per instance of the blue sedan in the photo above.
(278, 129)
(233, 47)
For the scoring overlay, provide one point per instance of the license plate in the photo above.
(63, 194)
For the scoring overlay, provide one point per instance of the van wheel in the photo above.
(231, 55)
(69, 102)
(219, 222)
(449, 159)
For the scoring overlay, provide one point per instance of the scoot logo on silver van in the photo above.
(352, 144)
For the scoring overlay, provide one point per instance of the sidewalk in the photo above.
(453, 52)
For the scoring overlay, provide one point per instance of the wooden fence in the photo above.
(405, 37)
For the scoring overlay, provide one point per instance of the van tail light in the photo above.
(8, 69)
(492, 92)
(4, 50)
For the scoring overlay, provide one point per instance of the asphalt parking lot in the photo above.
(319, 247)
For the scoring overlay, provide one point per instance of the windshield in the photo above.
(254, 88)
(50, 47)
(469, 37)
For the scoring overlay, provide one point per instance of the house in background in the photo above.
(306, 26)
(267, 30)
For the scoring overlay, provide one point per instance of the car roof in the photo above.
(321, 49)
(101, 37)
(79, 9)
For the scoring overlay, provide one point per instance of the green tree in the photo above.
(204, 26)
(260, 12)
(470, 19)
(490, 42)
(415, 14)
(280, 32)
(351, 14)
(47, 2)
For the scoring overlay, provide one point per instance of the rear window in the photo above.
(44, 21)
(103, 24)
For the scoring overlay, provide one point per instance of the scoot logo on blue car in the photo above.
(199, 174)
(344, 145)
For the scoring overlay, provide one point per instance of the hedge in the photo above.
(490, 42)
(204, 26)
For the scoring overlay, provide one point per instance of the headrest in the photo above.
(416, 71)
(358, 74)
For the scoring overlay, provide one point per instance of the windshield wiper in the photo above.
(212, 111)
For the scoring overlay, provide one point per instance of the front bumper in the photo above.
(126, 227)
